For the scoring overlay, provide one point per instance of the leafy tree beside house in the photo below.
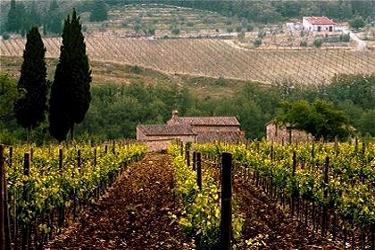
(357, 22)
(30, 109)
(320, 118)
(70, 94)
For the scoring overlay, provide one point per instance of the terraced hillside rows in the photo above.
(216, 58)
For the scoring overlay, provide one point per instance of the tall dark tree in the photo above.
(53, 22)
(30, 109)
(70, 94)
(99, 11)
(14, 23)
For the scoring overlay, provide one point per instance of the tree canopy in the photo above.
(320, 118)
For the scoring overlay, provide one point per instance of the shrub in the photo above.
(345, 38)
(257, 42)
(175, 31)
(5, 36)
(229, 29)
(303, 44)
(318, 43)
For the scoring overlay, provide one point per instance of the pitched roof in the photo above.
(162, 129)
(210, 120)
(227, 136)
(319, 20)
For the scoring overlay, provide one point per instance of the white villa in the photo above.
(318, 24)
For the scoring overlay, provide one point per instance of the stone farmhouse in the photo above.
(191, 129)
(318, 24)
(287, 134)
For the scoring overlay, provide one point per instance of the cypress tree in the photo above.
(13, 24)
(99, 11)
(70, 94)
(30, 109)
(53, 23)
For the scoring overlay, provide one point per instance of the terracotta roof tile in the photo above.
(227, 136)
(161, 129)
(320, 20)
(210, 120)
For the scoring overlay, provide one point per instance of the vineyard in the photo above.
(46, 187)
(216, 58)
(251, 196)
(330, 188)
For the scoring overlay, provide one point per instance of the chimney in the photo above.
(174, 115)
(174, 120)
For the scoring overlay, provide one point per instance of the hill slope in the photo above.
(215, 58)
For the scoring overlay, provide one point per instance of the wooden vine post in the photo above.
(293, 198)
(2, 199)
(187, 157)
(325, 204)
(199, 170)
(226, 202)
(62, 208)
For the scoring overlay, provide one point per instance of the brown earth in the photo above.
(133, 214)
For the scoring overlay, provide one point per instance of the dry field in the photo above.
(215, 58)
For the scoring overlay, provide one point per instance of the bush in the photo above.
(345, 38)
(303, 44)
(175, 31)
(238, 29)
(318, 43)
(229, 29)
(257, 42)
(5, 36)
(249, 28)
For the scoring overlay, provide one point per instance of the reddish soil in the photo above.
(133, 214)
(278, 229)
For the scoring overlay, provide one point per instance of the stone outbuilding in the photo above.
(287, 134)
(191, 129)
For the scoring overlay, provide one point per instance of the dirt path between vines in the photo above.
(275, 229)
(133, 214)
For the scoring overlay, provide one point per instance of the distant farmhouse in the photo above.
(191, 129)
(286, 134)
(318, 24)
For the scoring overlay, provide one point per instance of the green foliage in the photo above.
(357, 22)
(49, 188)
(8, 95)
(303, 43)
(200, 216)
(30, 109)
(345, 38)
(21, 18)
(70, 93)
(318, 42)
(99, 11)
(257, 42)
(13, 24)
(320, 118)
(350, 182)
(175, 31)
(53, 20)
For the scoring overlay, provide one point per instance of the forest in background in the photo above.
(115, 110)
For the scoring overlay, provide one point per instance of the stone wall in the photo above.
(198, 129)
(158, 143)
(278, 134)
